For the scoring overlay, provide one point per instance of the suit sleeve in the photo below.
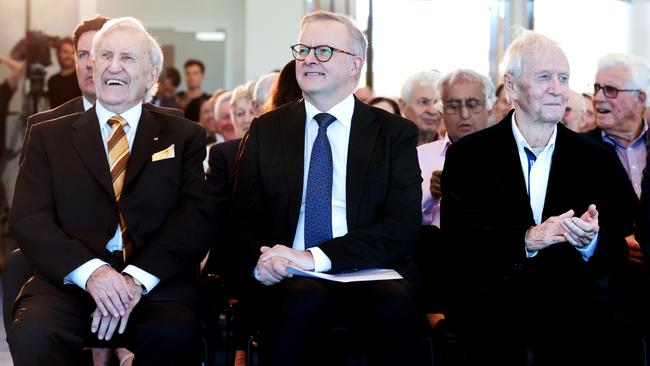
(392, 231)
(33, 220)
(184, 238)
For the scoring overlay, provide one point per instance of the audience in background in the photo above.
(575, 108)
(588, 119)
(241, 111)
(418, 98)
(285, 89)
(261, 92)
(168, 81)
(502, 106)
(194, 75)
(63, 86)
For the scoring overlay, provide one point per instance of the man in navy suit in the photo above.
(328, 184)
(537, 224)
(116, 250)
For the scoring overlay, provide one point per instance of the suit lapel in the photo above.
(363, 136)
(143, 145)
(293, 150)
(514, 184)
(87, 140)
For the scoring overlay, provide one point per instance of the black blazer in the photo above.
(486, 210)
(64, 210)
(76, 105)
(382, 187)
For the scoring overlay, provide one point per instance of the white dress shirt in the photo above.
(338, 134)
(80, 275)
(431, 157)
(537, 180)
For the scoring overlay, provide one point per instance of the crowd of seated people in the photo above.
(517, 216)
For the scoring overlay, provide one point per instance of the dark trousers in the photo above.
(52, 324)
(298, 313)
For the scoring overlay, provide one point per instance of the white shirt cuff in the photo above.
(322, 263)
(80, 275)
(147, 280)
(588, 250)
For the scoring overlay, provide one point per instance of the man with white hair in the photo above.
(261, 92)
(418, 98)
(115, 225)
(620, 99)
(529, 244)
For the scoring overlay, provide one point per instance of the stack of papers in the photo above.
(373, 274)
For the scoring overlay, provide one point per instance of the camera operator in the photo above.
(63, 86)
(7, 89)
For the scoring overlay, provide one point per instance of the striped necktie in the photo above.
(118, 158)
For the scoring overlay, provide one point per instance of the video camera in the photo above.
(35, 50)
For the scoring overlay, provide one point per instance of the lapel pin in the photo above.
(155, 139)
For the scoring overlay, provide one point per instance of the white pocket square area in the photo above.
(168, 153)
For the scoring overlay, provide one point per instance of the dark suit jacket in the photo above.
(64, 210)
(486, 211)
(383, 191)
(76, 105)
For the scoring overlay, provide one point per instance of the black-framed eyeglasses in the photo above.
(610, 91)
(323, 53)
(455, 106)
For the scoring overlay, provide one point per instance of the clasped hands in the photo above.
(578, 231)
(115, 295)
(272, 264)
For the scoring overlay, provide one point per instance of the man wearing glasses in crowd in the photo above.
(328, 184)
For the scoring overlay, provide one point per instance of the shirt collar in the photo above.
(445, 145)
(521, 140)
(86, 103)
(132, 116)
(642, 136)
(342, 111)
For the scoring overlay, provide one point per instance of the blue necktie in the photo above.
(318, 199)
(531, 160)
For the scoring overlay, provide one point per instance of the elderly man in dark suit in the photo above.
(537, 224)
(111, 208)
(329, 184)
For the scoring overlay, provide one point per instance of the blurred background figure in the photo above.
(386, 104)
(168, 81)
(364, 94)
(194, 75)
(588, 121)
(417, 101)
(502, 105)
(575, 108)
(261, 92)
(63, 86)
(285, 89)
(241, 111)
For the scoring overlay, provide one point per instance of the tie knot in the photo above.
(115, 120)
(324, 120)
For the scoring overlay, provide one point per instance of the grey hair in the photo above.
(467, 75)
(263, 86)
(155, 52)
(242, 91)
(422, 78)
(637, 66)
(223, 98)
(527, 44)
(359, 39)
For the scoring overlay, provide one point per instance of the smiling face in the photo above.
(542, 91)
(620, 113)
(242, 115)
(324, 84)
(123, 71)
(85, 66)
(464, 122)
(421, 108)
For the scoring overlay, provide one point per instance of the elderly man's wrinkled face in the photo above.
(625, 108)
(542, 92)
(122, 69)
(420, 108)
(464, 109)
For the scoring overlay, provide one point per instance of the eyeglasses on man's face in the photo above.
(455, 106)
(322, 53)
(610, 91)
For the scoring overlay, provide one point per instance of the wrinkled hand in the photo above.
(301, 259)
(547, 233)
(105, 325)
(434, 184)
(634, 253)
(580, 231)
(272, 271)
(109, 290)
